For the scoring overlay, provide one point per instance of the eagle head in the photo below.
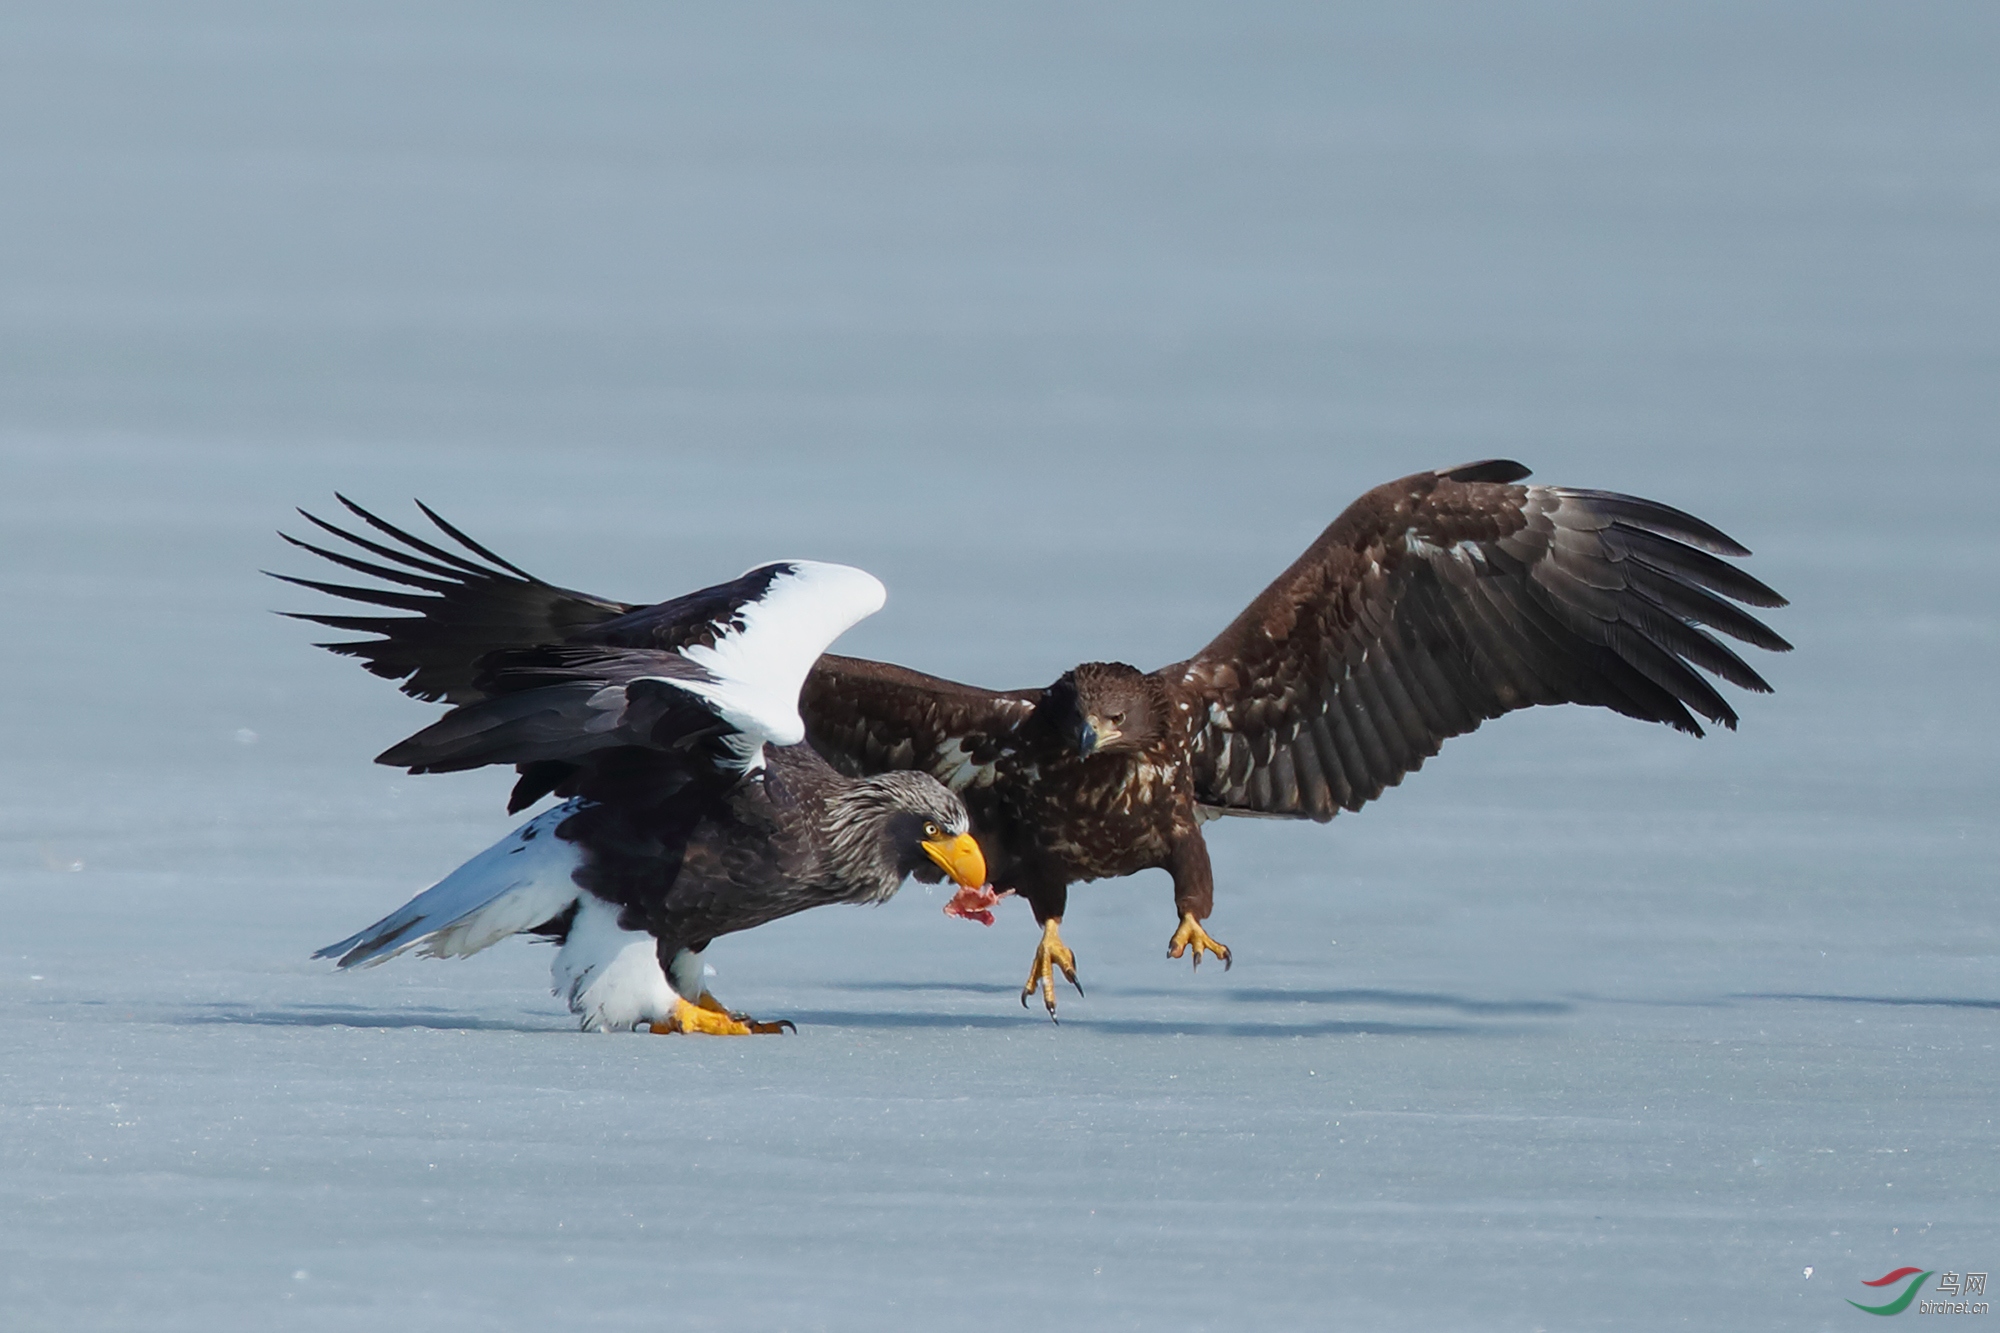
(905, 823)
(1106, 708)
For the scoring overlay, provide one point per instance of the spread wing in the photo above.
(870, 717)
(467, 603)
(729, 694)
(1446, 598)
(471, 606)
(566, 703)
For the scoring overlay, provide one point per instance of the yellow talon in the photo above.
(709, 1017)
(1191, 933)
(1050, 954)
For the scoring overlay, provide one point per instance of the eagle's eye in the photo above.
(931, 830)
(1116, 719)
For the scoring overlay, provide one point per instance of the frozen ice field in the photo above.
(1074, 328)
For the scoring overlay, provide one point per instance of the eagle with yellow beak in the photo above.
(689, 806)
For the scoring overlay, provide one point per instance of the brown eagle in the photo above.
(1432, 604)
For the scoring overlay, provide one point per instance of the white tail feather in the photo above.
(519, 882)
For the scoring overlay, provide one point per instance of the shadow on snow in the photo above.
(1156, 1027)
(360, 1016)
(1260, 995)
(1945, 1001)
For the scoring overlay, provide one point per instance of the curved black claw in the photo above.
(1192, 936)
(1051, 956)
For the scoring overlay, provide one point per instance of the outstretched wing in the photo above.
(870, 717)
(747, 646)
(565, 703)
(466, 605)
(1446, 598)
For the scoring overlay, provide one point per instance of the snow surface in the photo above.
(1074, 327)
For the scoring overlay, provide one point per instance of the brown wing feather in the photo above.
(1446, 598)
(871, 717)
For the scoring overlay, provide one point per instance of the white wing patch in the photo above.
(519, 882)
(1465, 551)
(760, 669)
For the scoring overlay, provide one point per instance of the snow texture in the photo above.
(1074, 325)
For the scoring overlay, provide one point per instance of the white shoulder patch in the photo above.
(760, 669)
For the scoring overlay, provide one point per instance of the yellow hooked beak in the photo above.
(958, 857)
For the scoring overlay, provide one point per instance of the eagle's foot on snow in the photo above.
(1192, 935)
(711, 1018)
(1050, 954)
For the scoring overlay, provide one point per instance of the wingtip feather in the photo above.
(1489, 470)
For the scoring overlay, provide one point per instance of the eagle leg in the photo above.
(711, 1018)
(1191, 934)
(1050, 954)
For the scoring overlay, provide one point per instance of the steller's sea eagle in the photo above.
(1430, 605)
(691, 808)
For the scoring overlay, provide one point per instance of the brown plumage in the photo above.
(1432, 604)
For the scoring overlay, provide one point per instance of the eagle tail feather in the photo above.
(518, 883)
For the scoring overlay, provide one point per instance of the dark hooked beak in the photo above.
(1086, 739)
